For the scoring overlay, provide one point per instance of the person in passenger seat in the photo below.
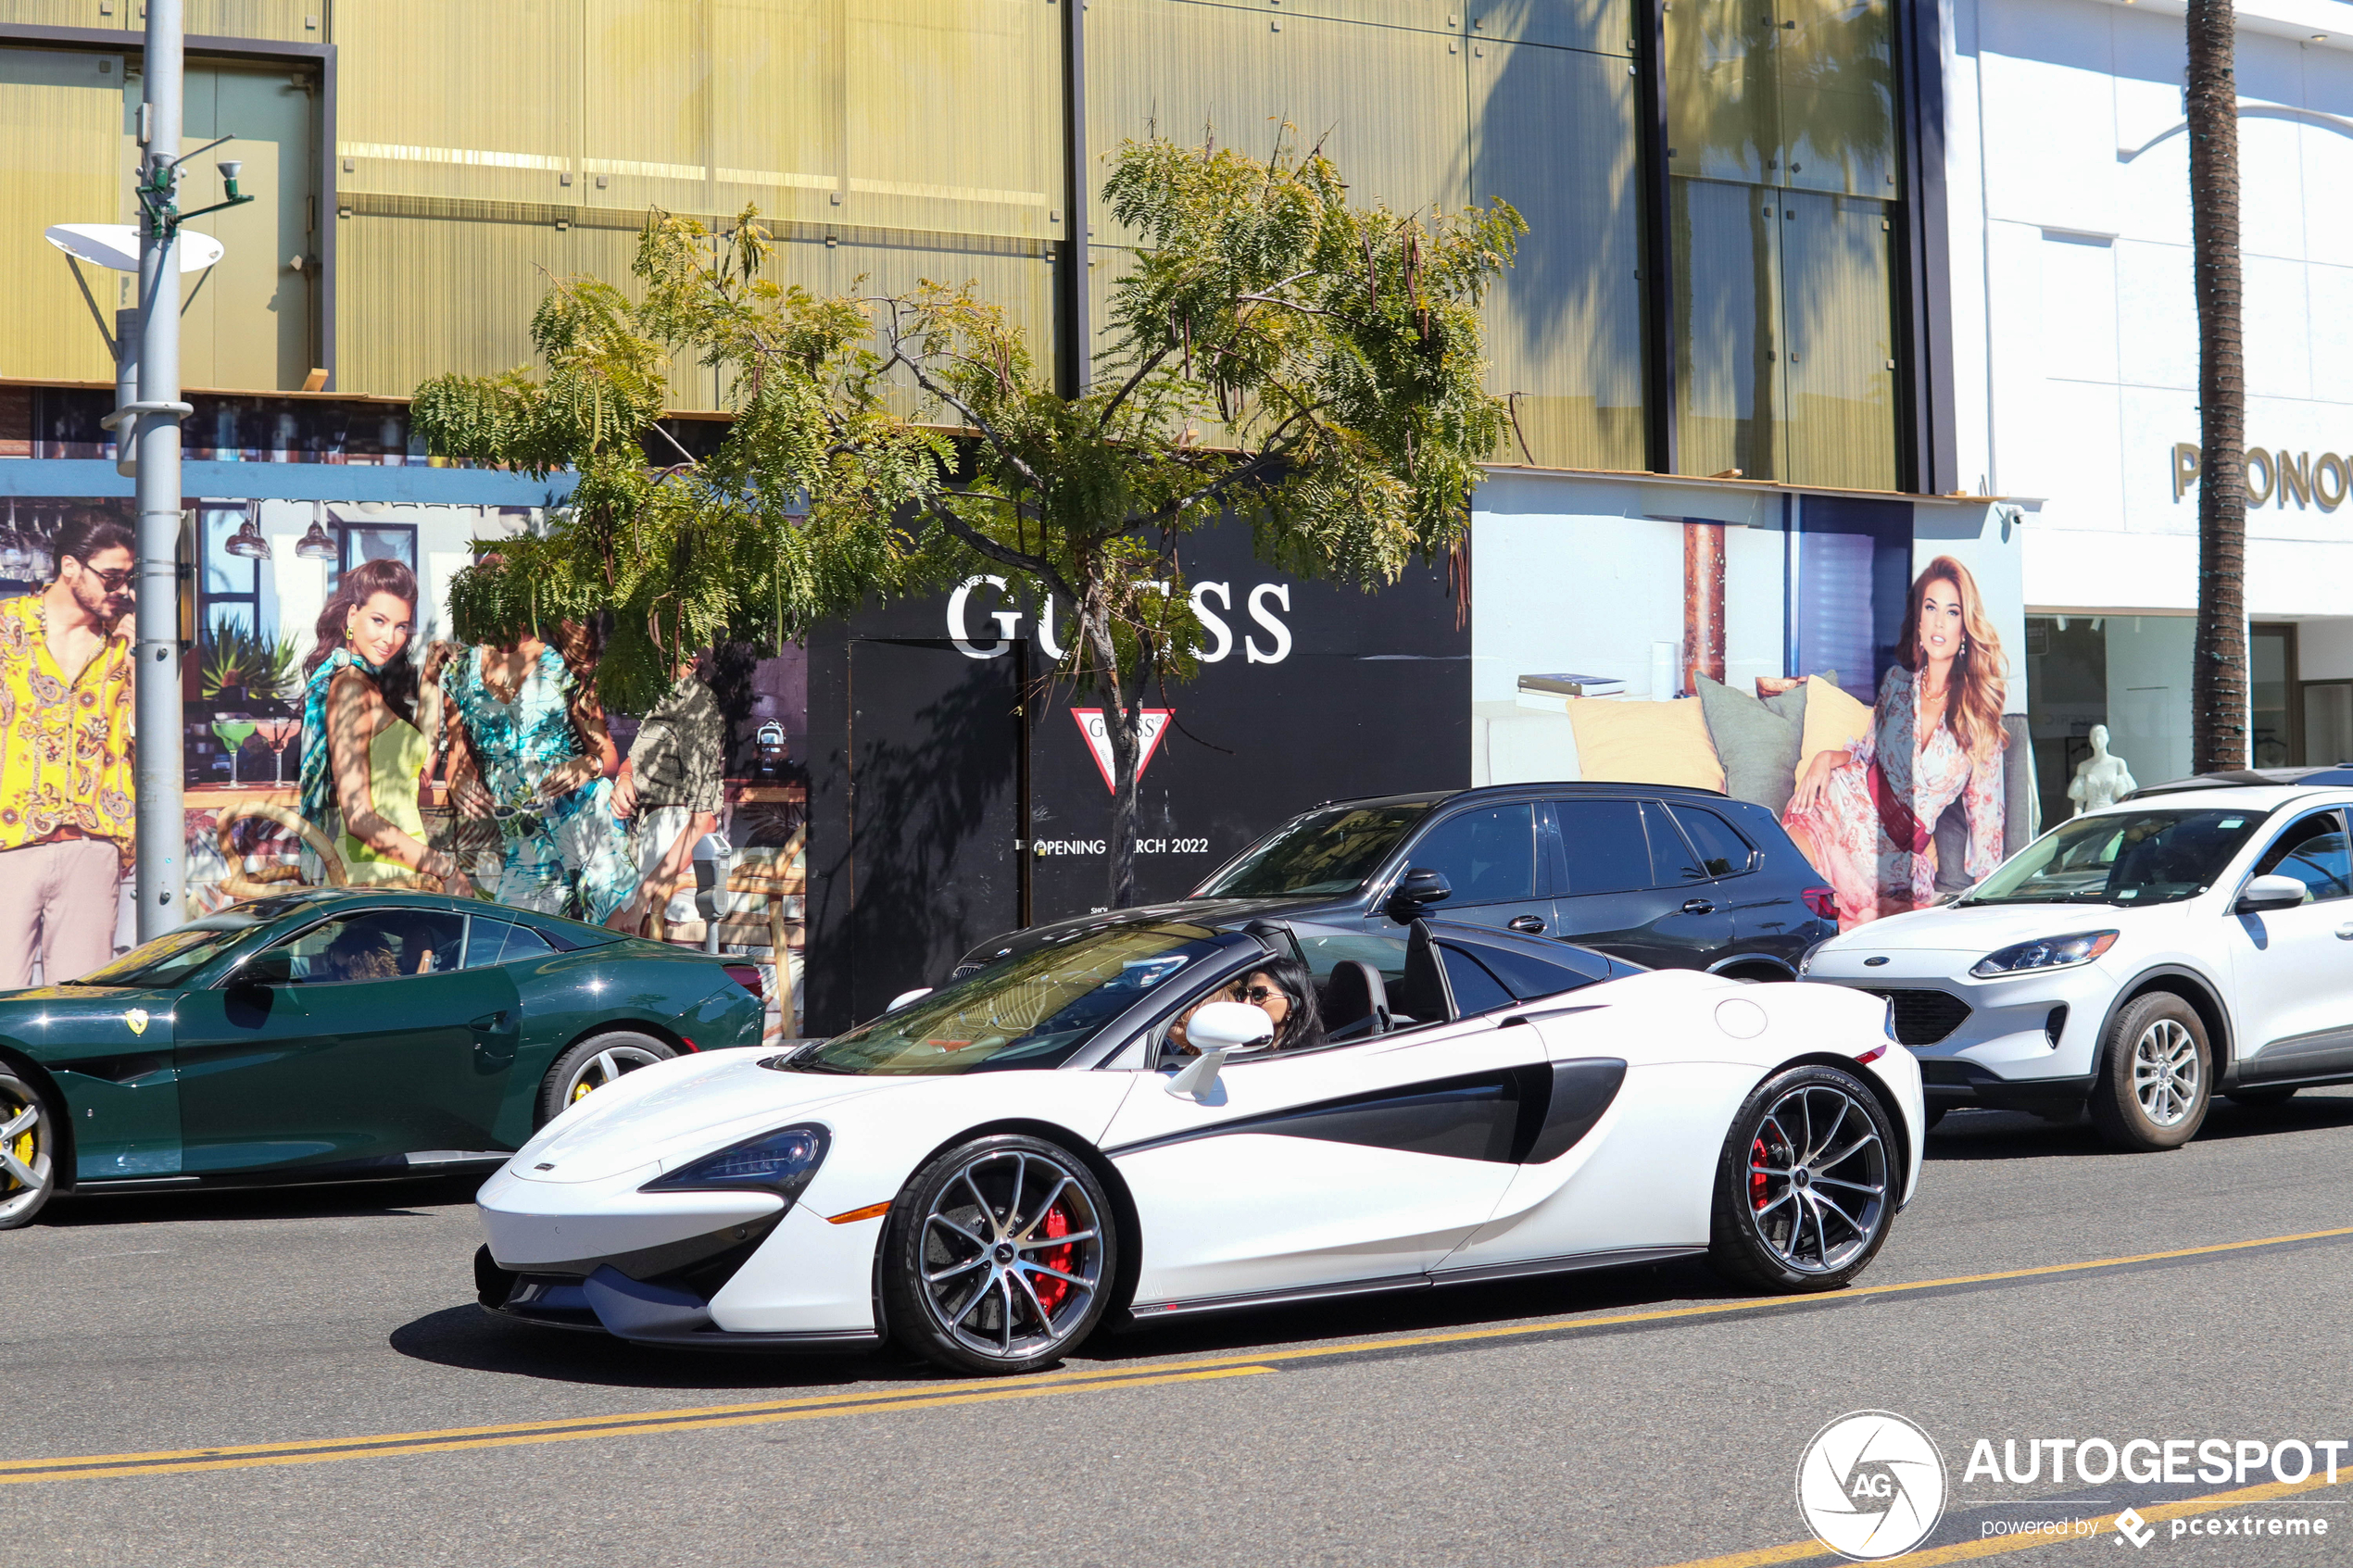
(1282, 987)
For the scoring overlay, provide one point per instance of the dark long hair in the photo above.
(1303, 1026)
(398, 679)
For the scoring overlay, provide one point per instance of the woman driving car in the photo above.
(1280, 987)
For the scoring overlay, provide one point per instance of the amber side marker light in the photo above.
(872, 1212)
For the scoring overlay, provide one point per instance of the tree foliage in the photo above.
(1275, 351)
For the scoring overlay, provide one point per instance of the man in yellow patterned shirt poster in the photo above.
(66, 815)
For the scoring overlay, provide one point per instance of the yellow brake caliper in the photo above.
(23, 1146)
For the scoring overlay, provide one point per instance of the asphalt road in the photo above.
(1640, 1418)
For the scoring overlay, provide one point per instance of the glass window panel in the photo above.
(2328, 722)
(1602, 840)
(1474, 990)
(2271, 668)
(1839, 325)
(1671, 862)
(2314, 853)
(1552, 133)
(1599, 26)
(374, 945)
(1728, 392)
(1488, 856)
(1721, 848)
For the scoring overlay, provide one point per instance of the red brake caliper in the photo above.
(1052, 1291)
(1757, 1156)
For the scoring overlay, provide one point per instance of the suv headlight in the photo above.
(2049, 952)
(782, 1163)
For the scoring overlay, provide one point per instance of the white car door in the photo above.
(2292, 969)
(1356, 1163)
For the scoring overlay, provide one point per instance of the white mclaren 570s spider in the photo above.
(1108, 1128)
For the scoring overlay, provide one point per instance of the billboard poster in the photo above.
(1846, 663)
(337, 734)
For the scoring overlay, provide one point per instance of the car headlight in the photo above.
(2050, 952)
(782, 1163)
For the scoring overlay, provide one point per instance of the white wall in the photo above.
(2067, 181)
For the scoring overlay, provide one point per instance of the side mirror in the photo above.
(907, 998)
(1219, 1030)
(1419, 886)
(2268, 893)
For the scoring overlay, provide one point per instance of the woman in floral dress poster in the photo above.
(1866, 814)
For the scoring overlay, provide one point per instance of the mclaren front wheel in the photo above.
(1807, 1184)
(998, 1255)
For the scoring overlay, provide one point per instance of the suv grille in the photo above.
(1922, 1018)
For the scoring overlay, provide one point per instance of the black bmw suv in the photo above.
(1654, 875)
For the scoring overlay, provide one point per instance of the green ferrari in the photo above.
(332, 1035)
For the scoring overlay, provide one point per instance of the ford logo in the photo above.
(1873, 963)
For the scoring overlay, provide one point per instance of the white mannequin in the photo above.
(2100, 779)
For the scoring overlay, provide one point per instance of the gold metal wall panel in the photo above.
(64, 159)
(1840, 330)
(298, 22)
(459, 98)
(1389, 104)
(1728, 388)
(779, 106)
(1600, 26)
(62, 13)
(1784, 91)
(1552, 133)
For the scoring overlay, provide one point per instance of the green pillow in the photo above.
(1758, 742)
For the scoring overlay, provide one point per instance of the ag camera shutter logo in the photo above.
(1872, 1485)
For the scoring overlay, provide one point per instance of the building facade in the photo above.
(1816, 294)
(2075, 346)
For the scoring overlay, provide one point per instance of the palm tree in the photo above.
(2218, 678)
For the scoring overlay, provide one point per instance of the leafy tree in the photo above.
(1275, 351)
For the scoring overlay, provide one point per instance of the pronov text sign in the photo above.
(2276, 475)
(1213, 602)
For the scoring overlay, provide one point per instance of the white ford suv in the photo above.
(2194, 939)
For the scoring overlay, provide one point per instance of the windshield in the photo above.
(2128, 858)
(1034, 1011)
(1328, 851)
(176, 955)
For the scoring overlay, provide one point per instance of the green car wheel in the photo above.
(595, 1063)
(27, 1171)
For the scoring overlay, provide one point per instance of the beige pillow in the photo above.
(1624, 741)
(1833, 720)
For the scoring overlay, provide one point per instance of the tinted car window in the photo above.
(498, 941)
(2314, 853)
(1323, 852)
(1474, 990)
(1488, 856)
(1527, 976)
(371, 945)
(1722, 850)
(1671, 860)
(1606, 849)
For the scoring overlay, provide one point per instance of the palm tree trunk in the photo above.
(2218, 678)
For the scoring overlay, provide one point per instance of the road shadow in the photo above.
(2014, 1134)
(475, 1340)
(326, 1200)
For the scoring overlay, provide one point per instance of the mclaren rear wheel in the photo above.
(592, 1063)
(28, 1152)
(998, 1255)
(1806, 1185)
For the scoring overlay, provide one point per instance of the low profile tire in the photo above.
(1806, 1185)
(2259, 1099)
(998, 1255)
(595, 1063)
(28, 1152)
(2156, 1080)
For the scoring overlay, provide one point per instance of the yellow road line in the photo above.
(100, 1467)
(1995, 1545)
(933, 1395)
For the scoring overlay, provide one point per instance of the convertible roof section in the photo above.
(2333, 776)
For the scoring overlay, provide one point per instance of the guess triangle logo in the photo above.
(1090, 725)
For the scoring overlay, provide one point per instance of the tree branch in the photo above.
(1003, 555)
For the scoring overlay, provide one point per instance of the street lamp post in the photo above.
(148, 427)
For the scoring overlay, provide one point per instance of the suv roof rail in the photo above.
(2324, 774)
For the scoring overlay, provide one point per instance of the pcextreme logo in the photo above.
(1872, 1485)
